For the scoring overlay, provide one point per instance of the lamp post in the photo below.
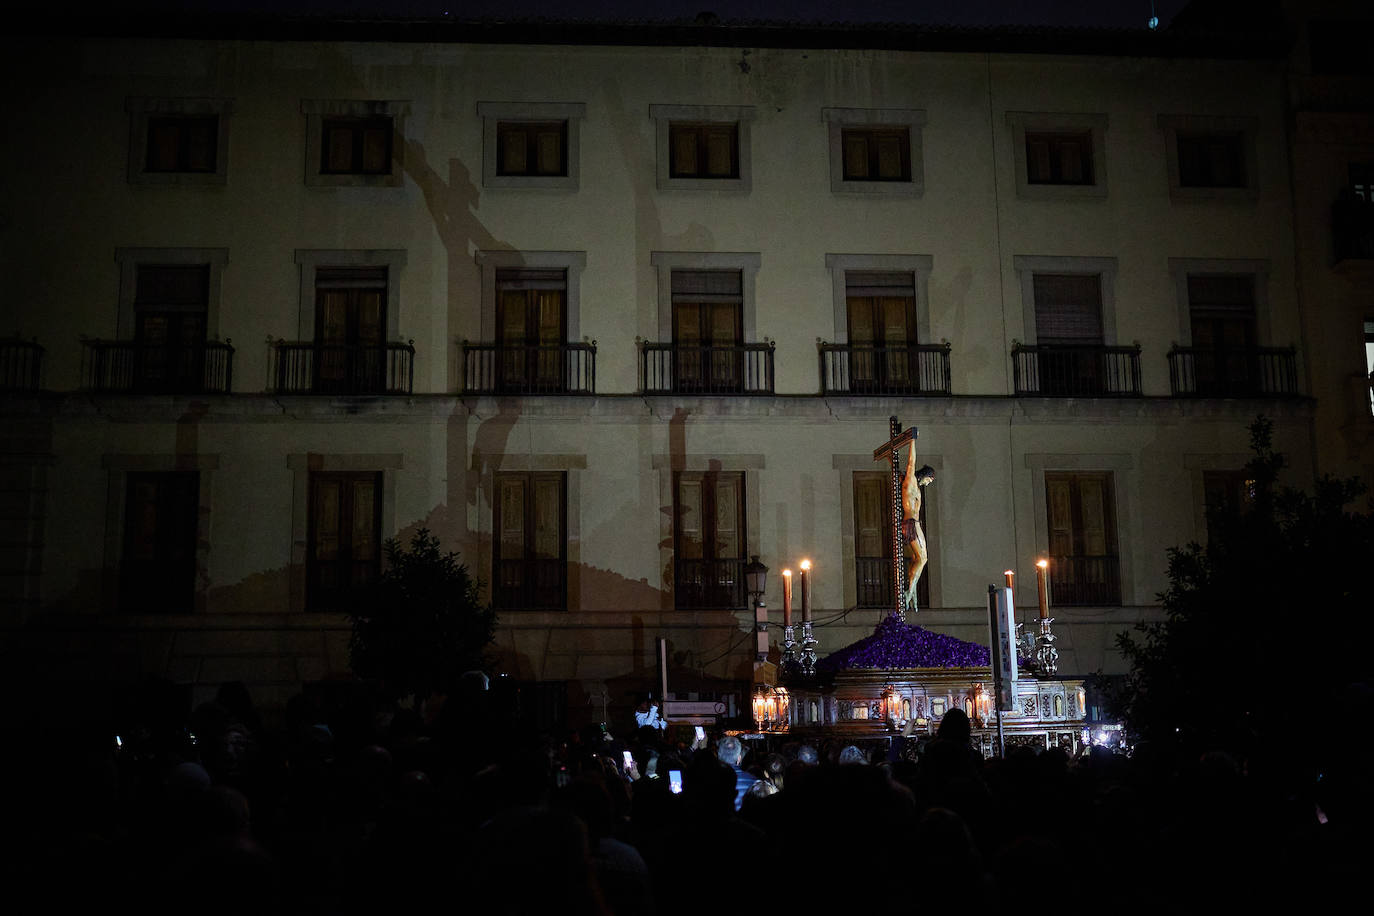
(756, 581)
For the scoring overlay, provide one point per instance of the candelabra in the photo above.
(789, 647)
(808, 650)
(1046, 655)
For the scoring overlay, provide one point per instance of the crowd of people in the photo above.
(355, 805)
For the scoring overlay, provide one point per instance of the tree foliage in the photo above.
(1263, 627)
(420, 625)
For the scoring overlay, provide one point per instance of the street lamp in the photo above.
(756, 581)
(755, 576)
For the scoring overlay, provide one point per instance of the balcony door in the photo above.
(709, 540)
(531, 319)
(1221, 314)
(708, 330)
(1068, 328)
(169, 328)
(350, 330)
(1084, 565)
(882, 331)
(873, 542)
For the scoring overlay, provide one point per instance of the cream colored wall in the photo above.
(969, 220)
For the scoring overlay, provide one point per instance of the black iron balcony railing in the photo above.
(21, 364)
(129, 366)
(709, 584)
(1085, 581)
(306, 367)
(908, 370)
(537, 584)
(1077, 370)
(691, 369)
(1251, 372)
(1352, 228)
(565, 368)
(874, 585)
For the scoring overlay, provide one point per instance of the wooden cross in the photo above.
(892, 451)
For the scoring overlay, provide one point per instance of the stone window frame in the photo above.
(129, 260)
(1022, 122)
(117, 467)
(1027, 266)
(310, 260)
(492, 113)
(1180, 269)
(491, 261)
(740, 115)
(141, 108)
(484, 471)
(844, 466)
(317, 110)
(1247, 127)
(918, 265)
(1122, 468)
(301, 465)
(913, 119)
(746, 262)
(666, 467)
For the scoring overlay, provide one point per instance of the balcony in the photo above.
(565, 368)
(538, 584)
(1077, 371)
(739, 369)
(1352, 228)
(709, 584)
(1085, 581)
(1252, 372)
(306, 367)
(909, 370)
(134, 367)
(21, 364)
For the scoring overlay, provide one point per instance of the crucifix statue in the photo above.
(907, 535)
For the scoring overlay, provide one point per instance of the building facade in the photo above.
(611, 317)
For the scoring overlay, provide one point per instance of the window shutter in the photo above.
(1221, 296)
(708, 286)
(1068, 308)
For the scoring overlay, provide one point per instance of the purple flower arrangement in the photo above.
(895, 644)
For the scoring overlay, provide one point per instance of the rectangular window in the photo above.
(707, 150)
(1221, 315)
(709, 539)
(873, 542)
(344, 539)
(881, 311)
(350, 329)
(187, 143)
(158, 563)
(532, 148)
(529, 553)
(876, 153)
(355, 146)
(1084, 564)
(170, 302)
(1068, 331)
(531, 315)
(1225, 493)
(708, 330)
(1211, 160)
(1059, 158)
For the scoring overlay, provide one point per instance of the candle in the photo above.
(1010, 576)
(1043, 588)
(787, 597)
(806, 590)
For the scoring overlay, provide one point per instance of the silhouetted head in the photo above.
(955, 726)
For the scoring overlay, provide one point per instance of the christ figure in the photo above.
(911, 524)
